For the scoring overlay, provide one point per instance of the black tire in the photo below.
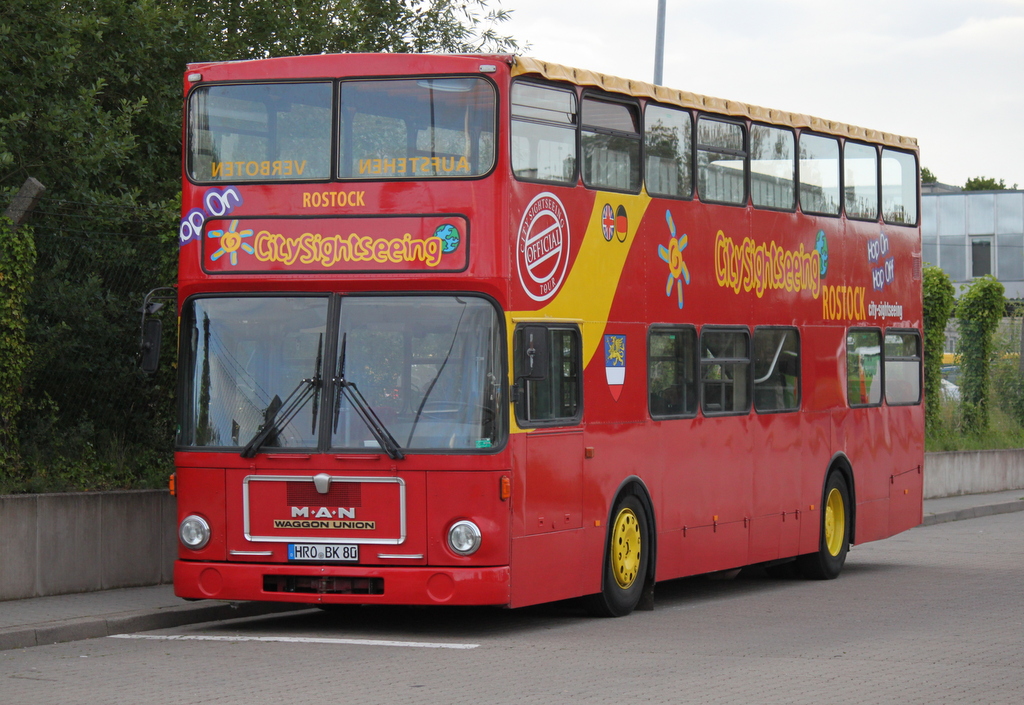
(834, 536)
(626, 558)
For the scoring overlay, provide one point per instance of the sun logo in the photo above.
(231, 242)
(673, 256)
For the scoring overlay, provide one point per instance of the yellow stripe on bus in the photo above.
(591, 285)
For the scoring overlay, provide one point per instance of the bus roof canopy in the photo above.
(556, 72)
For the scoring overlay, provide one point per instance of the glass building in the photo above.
(973, 233)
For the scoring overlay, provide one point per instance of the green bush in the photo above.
(938, 305)
(17, 261)
(978, 313)
(1008, 384)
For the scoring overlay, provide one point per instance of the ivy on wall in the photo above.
(978, 313)
(938, 306)
(17, 264)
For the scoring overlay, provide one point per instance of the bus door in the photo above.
(549, 474)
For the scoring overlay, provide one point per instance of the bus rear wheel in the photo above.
(834, 542)
(625, 562)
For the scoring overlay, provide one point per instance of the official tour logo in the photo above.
(542, 251)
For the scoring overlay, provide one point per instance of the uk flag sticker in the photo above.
(615, 363)
(608, 222)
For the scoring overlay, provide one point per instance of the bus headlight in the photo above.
(464, 537)
(194, 532)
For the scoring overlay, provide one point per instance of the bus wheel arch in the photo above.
(836, 524)
(841, 464)
(627, 576)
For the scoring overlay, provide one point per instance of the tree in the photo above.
(984, 183)
(92, 108)
(92, 91)
(89, 97)
(254, 29)
(927, 177)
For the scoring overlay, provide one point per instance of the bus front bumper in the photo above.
(329, 584)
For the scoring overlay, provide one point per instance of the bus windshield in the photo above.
(428, 366)
(414, 129)
(428, 369)
(260, 132)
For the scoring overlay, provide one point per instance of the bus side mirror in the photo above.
(152, 332)
(152, 329)
(534, 352)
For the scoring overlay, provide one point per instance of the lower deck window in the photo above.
(672, 372)
(863, 367)
(776, 369)
(902, 367)
(725, 371)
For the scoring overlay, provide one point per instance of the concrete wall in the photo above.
(53, 544)
(972, 472)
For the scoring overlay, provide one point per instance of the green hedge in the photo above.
(938, 305)
(17, 264)
(978, 313)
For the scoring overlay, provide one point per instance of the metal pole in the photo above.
(659, 45)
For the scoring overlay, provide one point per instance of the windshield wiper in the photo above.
(369, 417)
(273, 424)
(437, 375)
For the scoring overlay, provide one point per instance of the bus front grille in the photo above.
(323, 585)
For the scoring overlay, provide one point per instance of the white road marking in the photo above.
(296, 640)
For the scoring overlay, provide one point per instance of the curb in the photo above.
(973, 512)
(139, 621)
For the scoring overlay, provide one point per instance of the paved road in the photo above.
(932, 615)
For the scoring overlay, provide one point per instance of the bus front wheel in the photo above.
(625, 562)
(834, 542)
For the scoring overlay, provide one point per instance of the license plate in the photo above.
(325, 552)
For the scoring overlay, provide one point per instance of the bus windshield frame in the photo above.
(430, 368)
(431, 127)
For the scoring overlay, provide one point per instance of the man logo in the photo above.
(325, 513)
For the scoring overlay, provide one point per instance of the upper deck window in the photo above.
(899, 187)
(721, 161)
(423, 128)
(860, 180)
(819, 174)
(260, 132)
(543, 133)
(610, 145)
(772, 167)
(668, 142)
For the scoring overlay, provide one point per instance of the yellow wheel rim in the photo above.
(835, 522)
(625, 548)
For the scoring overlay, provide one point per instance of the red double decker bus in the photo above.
(483, 330)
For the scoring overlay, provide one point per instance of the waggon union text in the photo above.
(313, 524)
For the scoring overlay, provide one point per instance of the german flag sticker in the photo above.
(621, 223)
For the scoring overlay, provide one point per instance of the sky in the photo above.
(947, 72)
